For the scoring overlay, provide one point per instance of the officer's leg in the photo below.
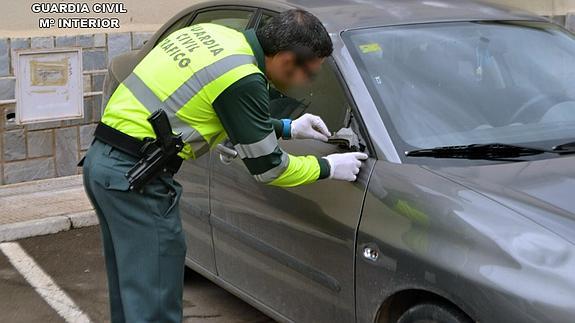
(116, 307)
(116, 310)
(148, 240)
(172, 247)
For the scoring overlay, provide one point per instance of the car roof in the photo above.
(339, 15)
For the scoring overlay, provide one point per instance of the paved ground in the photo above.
(73, 261)
(42, 199)
(43, 207)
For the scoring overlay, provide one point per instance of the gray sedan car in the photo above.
(465, 210)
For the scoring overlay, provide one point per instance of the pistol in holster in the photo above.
(158, 153)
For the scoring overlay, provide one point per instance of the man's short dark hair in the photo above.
(296, 31)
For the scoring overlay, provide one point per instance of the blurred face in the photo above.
(284, 72)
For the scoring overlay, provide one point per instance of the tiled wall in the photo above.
(52, 149)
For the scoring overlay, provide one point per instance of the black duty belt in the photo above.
(129, 145)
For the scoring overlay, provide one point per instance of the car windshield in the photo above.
(450, 84)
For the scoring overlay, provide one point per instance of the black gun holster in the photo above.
(130, 145)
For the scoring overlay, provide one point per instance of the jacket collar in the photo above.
(252, 39)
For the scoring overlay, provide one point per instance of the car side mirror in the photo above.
(346, 139)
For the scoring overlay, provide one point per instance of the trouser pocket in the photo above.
(163, 194)
(154, 208)
(172, 240)
(157, 206)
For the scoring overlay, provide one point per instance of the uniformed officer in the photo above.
(212, 82)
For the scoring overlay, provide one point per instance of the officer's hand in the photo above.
(346, 166)
(309, 126)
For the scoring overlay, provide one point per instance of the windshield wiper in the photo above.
(568, 148)
(479, 151)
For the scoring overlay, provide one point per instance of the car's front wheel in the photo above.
(432, 312)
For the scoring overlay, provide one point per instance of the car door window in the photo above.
(179, 24)
(265, 19)
(325, 97)
(232, 18)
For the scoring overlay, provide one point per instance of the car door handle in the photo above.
(227, 154)
(370, 253)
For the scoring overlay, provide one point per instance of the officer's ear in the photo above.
(286, 59)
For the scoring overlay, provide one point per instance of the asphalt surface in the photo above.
(74, 261)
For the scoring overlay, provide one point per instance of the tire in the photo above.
(433, 313)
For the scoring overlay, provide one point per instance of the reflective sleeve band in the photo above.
(275, 172)
(301, 170)
(286, 132)
(261, 148)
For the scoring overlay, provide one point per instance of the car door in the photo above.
(293, 249)
(194, 174)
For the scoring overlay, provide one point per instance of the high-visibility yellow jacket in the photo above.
(184, 74)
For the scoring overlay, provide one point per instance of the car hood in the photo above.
(542, 190)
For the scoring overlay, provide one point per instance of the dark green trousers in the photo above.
(143, 242)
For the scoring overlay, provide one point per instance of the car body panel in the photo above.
(195, 209)
(289, 248)
(541, 190)
(438, 235)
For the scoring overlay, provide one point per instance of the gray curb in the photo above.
(54, 224)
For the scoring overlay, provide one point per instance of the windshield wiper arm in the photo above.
(479, 151)
(568, 148)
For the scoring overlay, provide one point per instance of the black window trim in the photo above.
(193, 14)
(364, 133)
(253, 10)
(260, 13)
